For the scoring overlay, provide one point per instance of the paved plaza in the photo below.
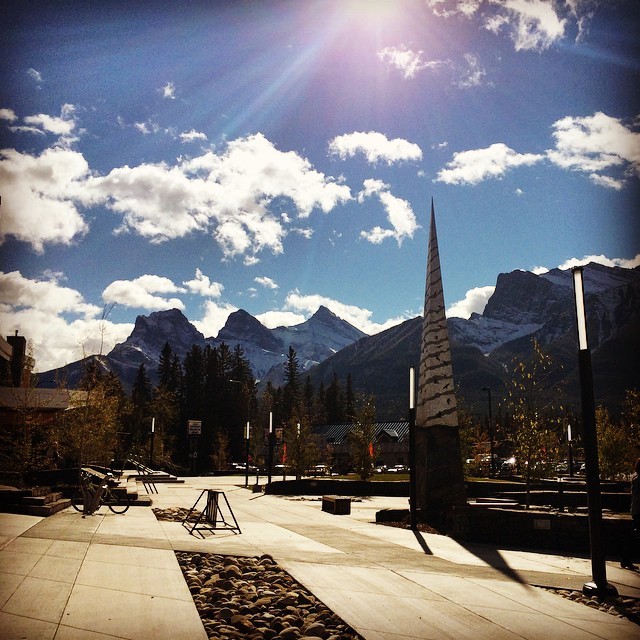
(112, 576)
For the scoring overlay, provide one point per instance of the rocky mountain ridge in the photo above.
(484, 347)
(523, 306)
(322, 335)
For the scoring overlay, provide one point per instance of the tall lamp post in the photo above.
(271, 439)
(491, 434)
(153, 433)
(570, 445)
(247, 433)
(412, 450)
(599, 586)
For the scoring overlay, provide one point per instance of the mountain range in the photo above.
(484, 347)
(314, 340)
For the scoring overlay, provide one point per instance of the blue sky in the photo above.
(275, 156)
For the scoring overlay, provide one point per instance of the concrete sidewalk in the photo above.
(116, 576)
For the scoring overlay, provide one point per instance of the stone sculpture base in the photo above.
(439, 475)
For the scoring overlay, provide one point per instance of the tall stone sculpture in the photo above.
(439, 475)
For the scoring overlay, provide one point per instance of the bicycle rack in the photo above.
(211, 517)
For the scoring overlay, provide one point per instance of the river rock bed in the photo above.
(253, 598)
(620, 606)
(176, 514)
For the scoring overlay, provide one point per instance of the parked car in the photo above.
(508, 467)
(319, 470)
(241, 467)
(398, 468)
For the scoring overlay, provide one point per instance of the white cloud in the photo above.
(399, 214)
(473, 74)
(215, 317)
(47, 295)
(305, 232)
(358, 317)
(24, 129)
(475, 301)
(140, 293)
(169, 91)
(156, 201)
(266, 282)
(190, 136)
(34, 75)
(595, 143)
(539, 270)
(39, 194)
(62, 125)
(375, 147)
(625, 263)
(38, 310)
(530, 24)
(202, 285)
(227, 194)
(589, 145)
(273, 319)
(607, 181)
(448, 8)
(409, 62)
(533, 24)
(8, 114)
(476, 165)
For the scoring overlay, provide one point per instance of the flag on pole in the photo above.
(371, 449)
(284, 453)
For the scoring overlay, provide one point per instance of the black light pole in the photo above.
(413, 523)
(271, 439)
(570, 444)
(246, 455)
(493, 470)
(153, 433)
(599, 586)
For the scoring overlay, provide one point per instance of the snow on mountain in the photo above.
(597, 277)
(524, 303)
(260, 346)
(319, 337)
(487, 334)
(313, 340)
(150, 334)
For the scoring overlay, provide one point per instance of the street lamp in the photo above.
(570, 445)
(153, 433)
(599, 586)
(246, 455)
(413, 523)
(493, 471)
(271, 439)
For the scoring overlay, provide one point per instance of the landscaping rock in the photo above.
(255, 599)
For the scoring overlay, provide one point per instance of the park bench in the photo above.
(337, 505)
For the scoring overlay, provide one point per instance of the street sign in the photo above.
(194, 427)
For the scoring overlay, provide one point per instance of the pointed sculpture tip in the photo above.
(433, 213)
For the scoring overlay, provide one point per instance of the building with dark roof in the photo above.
(390, 439)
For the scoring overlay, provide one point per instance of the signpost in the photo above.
(194, 430)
